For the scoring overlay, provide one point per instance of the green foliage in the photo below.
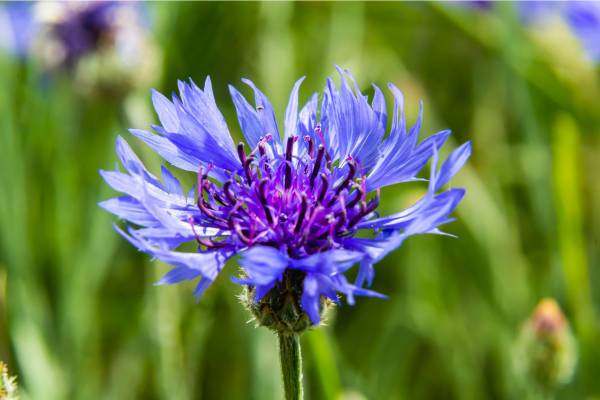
(80, 318)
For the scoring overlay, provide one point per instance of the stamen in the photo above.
(310, 143)
(203, 241)
(262, 189)
(241, 153)
(301, 214)
(351, 172)
(208, 212)
(228, 193)
(317, 165)
(238, 206)
(240, 233)
(202, 177)
(247, 169)
(366, 209)
(288, 162)
(201, 187)
(324, 187)
(358, 195)
(212, 191)
(343, 215)
(319, 133)
(374, 203)
(260, 147)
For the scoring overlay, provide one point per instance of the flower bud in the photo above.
(546, 350)
(280, 309)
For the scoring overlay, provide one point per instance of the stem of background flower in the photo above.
(291, 365)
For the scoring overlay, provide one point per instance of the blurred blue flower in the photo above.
(83, 29)
(17, 28)
(583, 18)
(103, 44)
(306, 201)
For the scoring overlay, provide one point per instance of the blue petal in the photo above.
(402, 164)
(131, 162)
(353, 123)
(177, 275)
(264, 111)
(436, 213)
(197, 140)
(291, 112)
(129, 209)
(193, 128)
(264, 266)
(366, 272)
(151, 204)
(201, 287)
(121, 182)
(207, 264)
(167, 150)
(21, 29)
(328, 262)
(251, 126)
(453, 164)
(379, 107)
(202, 107)
(166, 111)
(440, 205)
(318, 284)
(376, 248)
(172, 184)
(584, 19)
(307, 119)
(311, 298)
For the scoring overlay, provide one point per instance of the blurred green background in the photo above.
(80, 318)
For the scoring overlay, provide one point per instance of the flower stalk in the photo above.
(290, 357)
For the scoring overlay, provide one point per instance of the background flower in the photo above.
(104, 45)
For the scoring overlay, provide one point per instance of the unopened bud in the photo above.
(280, 309)
(546, 352)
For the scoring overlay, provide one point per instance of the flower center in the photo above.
(300, 201)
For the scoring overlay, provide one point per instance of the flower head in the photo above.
(301, 208)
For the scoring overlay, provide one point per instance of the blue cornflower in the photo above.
(300, 209)
(582, 18)
(17, 28)
(105, 46)
(83, 29)
(74, 30)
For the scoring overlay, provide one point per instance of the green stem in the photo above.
(291, 365)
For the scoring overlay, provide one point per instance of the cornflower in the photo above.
(300, 209)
